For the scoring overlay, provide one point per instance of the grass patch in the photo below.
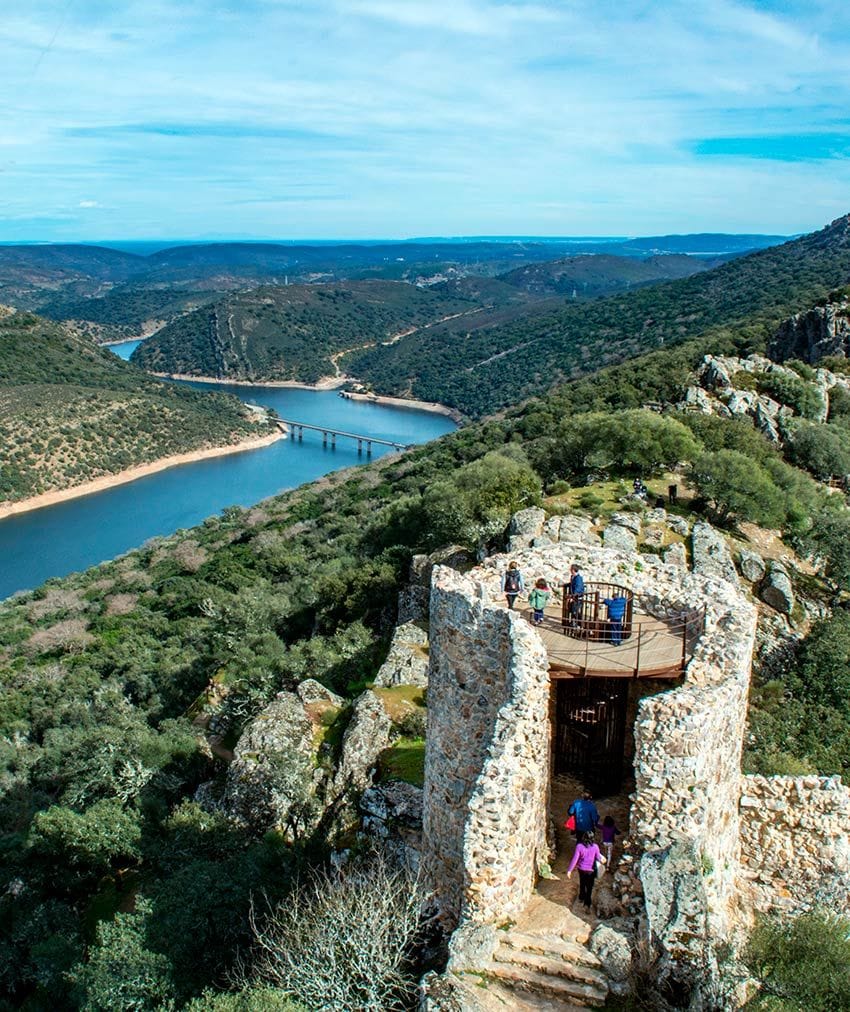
(405, 760)
(399, 700)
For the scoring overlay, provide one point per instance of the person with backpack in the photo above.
(538, 598)
(512, 583)
(585, 814)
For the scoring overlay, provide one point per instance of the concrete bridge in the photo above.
(327, 433)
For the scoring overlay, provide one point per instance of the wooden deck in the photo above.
(654, 650)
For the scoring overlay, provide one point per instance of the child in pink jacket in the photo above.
(587, 856)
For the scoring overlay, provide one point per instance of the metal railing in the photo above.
(635, 647)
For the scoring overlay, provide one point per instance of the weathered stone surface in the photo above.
(751, 565)
(677, 905)
(710, 553)
(407, 660)
(653, 536)
(795, 843)
(367, 735)
(657, 515)
(678, 525)
(813, 335)
(472, 946)
(311, 691)
(619, 538)
(714, 375)
(766, 423)
(270, 764)
(396, 802)
(413, 599)
(777, 590)
(696, 399)
(631, 521)
(675, 555)
(525, 526)
(614, 949)
(578, 530)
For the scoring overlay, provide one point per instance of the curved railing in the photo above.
(640, 647)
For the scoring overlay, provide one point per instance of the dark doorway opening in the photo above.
(590, 731)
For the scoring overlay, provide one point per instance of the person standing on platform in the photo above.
(575, 588)
(538, 598)
(616, 606)
(512, 583)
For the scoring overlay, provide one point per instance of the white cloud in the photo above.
(88, 203)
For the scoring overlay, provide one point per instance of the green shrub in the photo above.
(801, 963)
(736, 487)
(796, 393)
(822, 449)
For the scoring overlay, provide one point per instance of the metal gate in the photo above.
(590, 730)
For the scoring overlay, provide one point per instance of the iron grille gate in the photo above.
(590, 730)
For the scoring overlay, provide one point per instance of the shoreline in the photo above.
(326, 383)
(36, 502)
(406, 402)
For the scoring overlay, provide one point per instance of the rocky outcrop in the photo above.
(311, 691)
(751, 565)
(675, 555)
(777, 589)
(676, 901)
(572, 528)
(821, 332)
(525, 526)
(392, 812)
(272, 765)
(407, 660)
(367, 735)
(612, 944)
(413, 600)
(710, 553)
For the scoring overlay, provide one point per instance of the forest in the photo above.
(71, 412)
(118, 888)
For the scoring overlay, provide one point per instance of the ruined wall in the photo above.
(487, 755)
(795, 842)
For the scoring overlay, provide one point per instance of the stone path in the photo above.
(543, 962)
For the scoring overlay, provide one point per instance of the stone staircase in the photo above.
(557, 969)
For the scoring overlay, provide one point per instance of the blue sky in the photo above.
(394, 118)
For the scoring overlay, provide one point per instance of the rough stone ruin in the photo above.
(708, 846)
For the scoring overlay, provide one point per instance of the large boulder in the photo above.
(631, 521)
(676, 902)
(813, 335)
(612, 943)
(414, 599)
(675, 555)
(710, 553)
(697, 400)
(311, 691)
(714, 374)
(777, 590)
(407, 660)
(577, 530)
(367, 735)
(526, 525)
(272, 765)
(751, 565)
(619, 538)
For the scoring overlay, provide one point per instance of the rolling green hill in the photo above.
(292, 332)
(479, 371)
(71, 412)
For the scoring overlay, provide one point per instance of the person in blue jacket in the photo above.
(616, 613)
(576, 588)
(584, 812)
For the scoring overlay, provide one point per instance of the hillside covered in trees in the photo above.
(71, 412)
(120, 889)
(481, 370)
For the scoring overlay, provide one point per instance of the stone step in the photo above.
(478, 995)
(525, 979)
(555, 966)
(551, 945)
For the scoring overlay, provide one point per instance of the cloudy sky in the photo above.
(394, 118)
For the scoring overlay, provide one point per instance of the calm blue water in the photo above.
(125, 349)
(77, 534)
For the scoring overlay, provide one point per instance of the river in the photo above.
(74, 535)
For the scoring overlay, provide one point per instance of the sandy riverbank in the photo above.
(326, 383)
(131, 474)
(405, 402)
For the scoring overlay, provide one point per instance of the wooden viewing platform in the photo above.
(656, 648)
(289, 426)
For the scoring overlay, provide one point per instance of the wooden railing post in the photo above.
(637, 654)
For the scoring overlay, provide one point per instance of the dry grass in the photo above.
(57, 601)
(121, 604)
(70, 636)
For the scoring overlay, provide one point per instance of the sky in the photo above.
(276, 119)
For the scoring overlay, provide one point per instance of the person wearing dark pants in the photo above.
(616, 613)
(587, 856)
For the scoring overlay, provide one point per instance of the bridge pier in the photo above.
(368, 447)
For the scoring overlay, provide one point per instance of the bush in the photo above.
(839, 404)
(342, 941)
(803, 397)
(822, 449)
(736, 487)
(825, 663)
(804, 963)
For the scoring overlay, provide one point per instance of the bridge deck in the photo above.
(653, 651)
(327, 431)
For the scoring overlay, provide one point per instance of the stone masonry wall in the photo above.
(487, 755)
(795, 842)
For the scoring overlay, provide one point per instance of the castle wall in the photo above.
(487, 755)
(795, 842)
